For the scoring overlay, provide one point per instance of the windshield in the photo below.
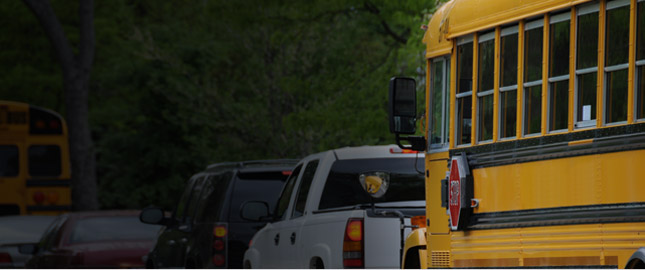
(23, 229)
(344, 189)
(96, 229)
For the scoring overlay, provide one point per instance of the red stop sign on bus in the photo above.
(454, 194)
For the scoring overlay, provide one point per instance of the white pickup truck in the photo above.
(343, 208)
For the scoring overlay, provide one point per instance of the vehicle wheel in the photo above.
(316, 263)
(150, 264)
(412, 260)
(636, 264)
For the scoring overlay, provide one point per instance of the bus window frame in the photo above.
(445, 115)
(468, 94)
(486, 36)
(593, 7)
(554, 19)
(528, 26)
(609, 5)
(637, 64)
(507, 31)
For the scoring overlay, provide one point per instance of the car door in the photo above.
(171, 244)
(269, 246)
(293, 246)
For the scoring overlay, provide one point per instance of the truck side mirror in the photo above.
(402, 105)
(255, 211)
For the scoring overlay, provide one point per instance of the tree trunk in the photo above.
(76, 77)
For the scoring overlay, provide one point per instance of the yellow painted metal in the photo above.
(435, 37)
(580, 142)
(437, 166)
(545, 70)
(496, 85)
(632, 62)
(589, 244)
(439, 254)
(464, 17)
(474, 119)
(453, 93)
(572, 68)
(585, 180)
(601, 64)
(416, 238)
(520, 79)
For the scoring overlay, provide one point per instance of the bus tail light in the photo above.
(39, 197)
(220, 245)
(353, 252)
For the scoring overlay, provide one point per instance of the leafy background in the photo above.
(178, 85)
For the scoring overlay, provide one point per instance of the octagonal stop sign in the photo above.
(459, 192)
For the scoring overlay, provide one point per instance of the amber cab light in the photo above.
(419, 221)
(396, 150)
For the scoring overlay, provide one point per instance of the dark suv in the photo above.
(206, 229)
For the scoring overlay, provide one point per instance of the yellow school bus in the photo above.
(535, 147)
(34, 161)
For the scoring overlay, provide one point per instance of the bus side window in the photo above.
(558, 94)
(464, 91)
(616, 61)
(586, 66)
(640, 61)
(508, 82)
(439, 103)
(485, 86)
(532, 107)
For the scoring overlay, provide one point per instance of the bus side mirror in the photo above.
(402, 105)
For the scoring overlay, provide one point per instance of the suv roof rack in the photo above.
(252, 163)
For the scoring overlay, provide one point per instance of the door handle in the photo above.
(276, 239)
(293, 238)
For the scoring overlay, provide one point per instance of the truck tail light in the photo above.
(353, 251)
(220, 245)
(5, 258)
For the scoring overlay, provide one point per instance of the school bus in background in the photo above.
(34, 161)
(535, 146)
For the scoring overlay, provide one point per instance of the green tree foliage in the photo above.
(178, 85)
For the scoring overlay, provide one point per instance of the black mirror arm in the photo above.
(417, 143)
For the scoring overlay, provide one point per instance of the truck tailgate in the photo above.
(383, 241)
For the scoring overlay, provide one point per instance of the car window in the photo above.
(303, 189)
(23, 229)
(344, 189)
(283, 202)
(213, 197)
(257, 186)
(50, 236)
(195, 196)
(185, 198)
(96, 229)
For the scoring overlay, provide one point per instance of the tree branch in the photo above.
(54, 31)
(86, 14)
(374, 10)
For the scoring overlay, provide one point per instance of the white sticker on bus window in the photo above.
(586, 112)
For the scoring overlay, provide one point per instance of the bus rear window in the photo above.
(9, 160)
(44, 160)
(344, 189)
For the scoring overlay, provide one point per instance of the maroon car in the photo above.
(102, 239)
